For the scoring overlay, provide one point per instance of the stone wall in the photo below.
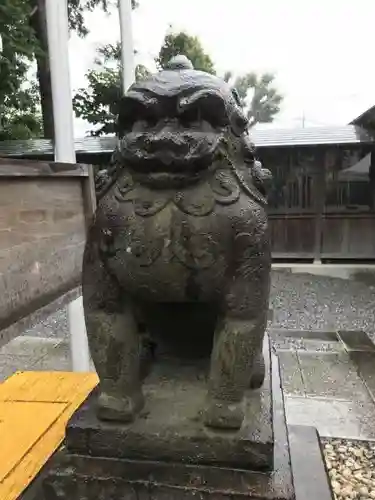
(42, 234)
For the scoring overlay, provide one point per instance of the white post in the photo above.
(127, 46)
(58, 40)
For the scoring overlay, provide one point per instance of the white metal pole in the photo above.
(127, 45)
(58, 40)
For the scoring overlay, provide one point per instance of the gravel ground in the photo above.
(351, 467)
(308, 302)
(299, 301)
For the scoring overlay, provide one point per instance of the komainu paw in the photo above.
(220, 414)
(119, 408)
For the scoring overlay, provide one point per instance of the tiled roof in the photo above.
(347, 134)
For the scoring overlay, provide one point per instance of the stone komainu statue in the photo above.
(178, 254)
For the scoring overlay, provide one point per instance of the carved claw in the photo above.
(220, 414)
(119, 408)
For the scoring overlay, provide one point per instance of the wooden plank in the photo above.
(44, 402)
(46, 387)
(349, 237)
(17, 439)
(319, 187)
(292, 236)
(32, 168)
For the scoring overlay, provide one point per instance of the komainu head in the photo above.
(177, 124)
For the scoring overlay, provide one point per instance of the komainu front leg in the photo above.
(237, 362)
(236, 352)
(113, 339)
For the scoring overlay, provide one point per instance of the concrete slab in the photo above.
(356, 340)
(313, 335)
(284, 343)
(325, 270)
(333, 391)
(59, 359)
(42, 320)
(35, 354)
(33, 347)
(291, 373)
(365, 363)
(10, 364)
(341, 271)
(331, 375)
(332, 418)
(320, 346)
(53, 363)
(307, 340)
(310, 476)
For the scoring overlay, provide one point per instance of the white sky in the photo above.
(321, 50)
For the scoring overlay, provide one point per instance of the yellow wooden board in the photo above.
(48, 387)
(19, 435)
(34, 410)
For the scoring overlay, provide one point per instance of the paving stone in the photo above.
(62, 349)
(10, 364)
(327, 336)
(321, 346)
(332, 418)
(365, 364)
(53, 363)
(270, 314)
(57, 360)
(282, 340)
(331, 375)
(291, 373)
(356, 340)
(33, 347)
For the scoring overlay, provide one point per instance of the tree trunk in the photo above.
(39, 24)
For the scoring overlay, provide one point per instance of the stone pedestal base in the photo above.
(170, 429)
(168, 455)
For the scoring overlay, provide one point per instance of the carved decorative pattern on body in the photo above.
(181, 215)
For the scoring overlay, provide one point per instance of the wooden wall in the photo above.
(316, 209)
(44, 212)
(314, 212)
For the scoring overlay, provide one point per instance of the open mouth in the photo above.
(162, 178)
(169, 154)
(166, 162)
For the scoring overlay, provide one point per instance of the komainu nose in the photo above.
(164, 140)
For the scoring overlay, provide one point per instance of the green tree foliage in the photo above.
(21, 115)
(24, 31)
(184, 44)
(258, 95)
(98, 102)
(19, 105)
(76, 11)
